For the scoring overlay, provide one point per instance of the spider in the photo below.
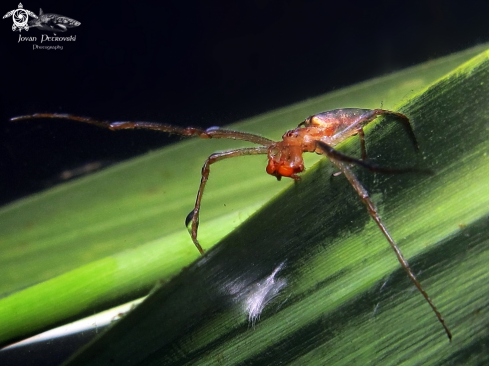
(318, 133)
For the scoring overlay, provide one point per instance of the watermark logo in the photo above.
(24, 19)
(20, 17)
(45, 21)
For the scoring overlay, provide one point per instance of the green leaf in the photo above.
(345, 298)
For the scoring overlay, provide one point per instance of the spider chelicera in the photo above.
(318, 133)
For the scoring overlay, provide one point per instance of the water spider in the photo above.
(318, 133)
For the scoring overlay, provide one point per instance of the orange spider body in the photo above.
(285, 157)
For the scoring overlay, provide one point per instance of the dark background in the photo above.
(201, 63)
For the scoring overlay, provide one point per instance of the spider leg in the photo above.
(340, 162)
(209, 133)
(361, 136)
(335, 154)
(406, 124)
(368, 117)
(192, 221)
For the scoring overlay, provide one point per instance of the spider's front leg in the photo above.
(210, 133)
(192, 220)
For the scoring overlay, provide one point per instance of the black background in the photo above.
(201, 63)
